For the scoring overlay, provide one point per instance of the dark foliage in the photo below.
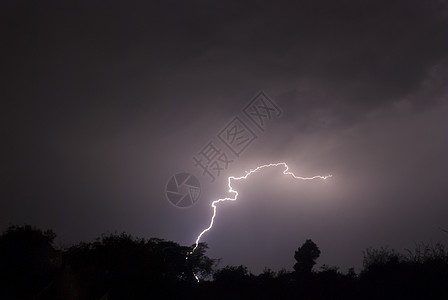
(28, 261)
(306, 257)
(422, 274)
(119, 266)
(115, 266)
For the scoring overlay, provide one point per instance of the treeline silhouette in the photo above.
(119, 266)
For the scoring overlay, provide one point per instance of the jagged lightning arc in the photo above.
(235, 193)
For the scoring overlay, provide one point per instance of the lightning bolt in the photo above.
(235, 194)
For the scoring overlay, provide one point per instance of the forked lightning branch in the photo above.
(235, 193)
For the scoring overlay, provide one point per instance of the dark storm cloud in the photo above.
(104, 101)
(362, 53)
(354, 56)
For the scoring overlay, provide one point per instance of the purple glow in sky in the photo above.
(103, 102)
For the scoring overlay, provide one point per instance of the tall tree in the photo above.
(305, 257)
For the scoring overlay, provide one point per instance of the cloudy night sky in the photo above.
(103, 101)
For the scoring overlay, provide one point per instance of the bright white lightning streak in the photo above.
(231, 190)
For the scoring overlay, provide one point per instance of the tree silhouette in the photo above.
(129, 267)
(233, 283)
(27, 261)
(305, 257)
(120, 266)
(231, 274)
